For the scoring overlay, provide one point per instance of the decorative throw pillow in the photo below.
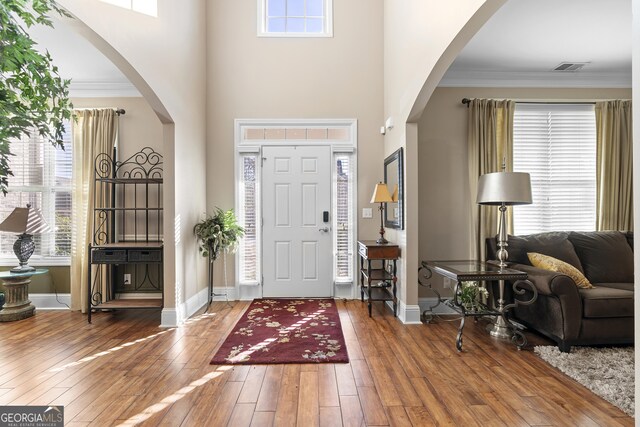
(552, 264)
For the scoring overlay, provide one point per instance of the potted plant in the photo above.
(218, 234)
(471, 294)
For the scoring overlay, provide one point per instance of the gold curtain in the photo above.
(490, 139)
(614, 166)
(94, 132)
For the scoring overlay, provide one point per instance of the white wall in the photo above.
(164, 57)
(265, 77)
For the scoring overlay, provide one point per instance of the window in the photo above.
(295, 18)
(41, 177)
(249, 197)
(343, 219)
(556, 144)
(147, 7)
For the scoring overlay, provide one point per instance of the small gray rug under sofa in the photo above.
(565, 313)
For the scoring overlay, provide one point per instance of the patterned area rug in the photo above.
(285, 331)
(608, 372)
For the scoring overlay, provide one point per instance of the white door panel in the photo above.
(297, 254)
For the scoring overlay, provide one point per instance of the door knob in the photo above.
(326, 229)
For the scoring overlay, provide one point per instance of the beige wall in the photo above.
(263, 77)
(165, 58)
(444, 198)
(139, 127)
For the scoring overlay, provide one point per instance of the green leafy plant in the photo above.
(33, 96)
(470, 295)
(218, 233)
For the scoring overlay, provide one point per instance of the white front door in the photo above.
(297, 238)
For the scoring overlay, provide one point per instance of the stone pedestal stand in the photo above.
(17, 305)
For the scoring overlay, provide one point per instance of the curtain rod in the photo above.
(119, 111)
(467, 101)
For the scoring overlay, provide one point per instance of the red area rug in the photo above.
(285, 331)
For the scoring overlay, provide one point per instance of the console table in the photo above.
(464, 271)
(16, 295)
(379, 284)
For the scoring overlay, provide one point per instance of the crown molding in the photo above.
(102, 89)
(546, 79)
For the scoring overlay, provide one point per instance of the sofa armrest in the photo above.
(549, 282)
(562, 287)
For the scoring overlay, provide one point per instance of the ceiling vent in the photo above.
(570, 66)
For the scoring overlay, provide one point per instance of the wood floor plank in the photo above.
(268, 397)
(242, 415)
(328, 386)
(372, 408)
(351, 410)
(397, 416)
(330, 416)
(253, 384)
(345, 381)
(308, 400)
(287, 408)
(262, 419)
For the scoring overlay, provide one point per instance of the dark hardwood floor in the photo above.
(124, 370)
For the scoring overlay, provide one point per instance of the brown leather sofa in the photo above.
(565, 313)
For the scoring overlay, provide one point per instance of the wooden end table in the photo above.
(379, 284)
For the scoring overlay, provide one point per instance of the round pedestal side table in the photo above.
(17, 305)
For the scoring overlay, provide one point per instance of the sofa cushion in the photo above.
(555, 244)
(625, 286)
(606, 257)
(552, 264)
(606, 302)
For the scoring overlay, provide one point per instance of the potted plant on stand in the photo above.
(218, 234)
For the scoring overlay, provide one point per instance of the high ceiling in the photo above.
(526, 39)
(519, 46)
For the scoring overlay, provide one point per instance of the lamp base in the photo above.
(382, 241)
(22, 269)
(499, 329)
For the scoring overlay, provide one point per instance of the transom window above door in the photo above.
(295, 18)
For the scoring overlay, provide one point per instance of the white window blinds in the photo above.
(343, 219)
(248, 218)
(42, 178)
(556, 144)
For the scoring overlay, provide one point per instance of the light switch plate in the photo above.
(367, 213)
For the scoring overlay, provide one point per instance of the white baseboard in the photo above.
(441, 308)
(249, 292)
(408, 314)
(220, 294)
(49, 301)
(343, 291)
(169, 318)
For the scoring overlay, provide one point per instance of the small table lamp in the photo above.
(503, 189)
(25, 222)
(381, 195)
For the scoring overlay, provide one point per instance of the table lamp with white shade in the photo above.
(503, 189)
(25, 222)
